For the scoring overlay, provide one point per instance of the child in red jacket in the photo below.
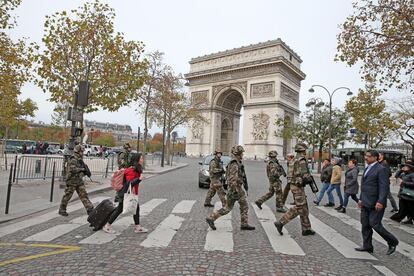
(133, 176)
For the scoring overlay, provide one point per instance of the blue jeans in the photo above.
(322, 192)
(337, 188)
(346, 197)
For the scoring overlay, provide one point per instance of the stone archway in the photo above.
(263, 79)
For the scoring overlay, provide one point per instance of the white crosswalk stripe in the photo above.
(282, 244)
(12, 228)
(384, 270)
(183, 207)
(343, 245)
(58, 230)
(100, 237)
(166, 230)
(222, 238)
(402, 247)
(405, 228)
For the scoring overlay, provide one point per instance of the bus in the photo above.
(16, 146)
(393, 158)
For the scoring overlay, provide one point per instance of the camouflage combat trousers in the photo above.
(274, 187)
(216, 187)
(286, 192)
(300, 209)
(79, 187)
(232, 197)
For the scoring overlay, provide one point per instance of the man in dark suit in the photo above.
(373, 199)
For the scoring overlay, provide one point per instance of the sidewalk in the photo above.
(29, 197)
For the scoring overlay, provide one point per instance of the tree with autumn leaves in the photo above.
(380, 35)
(15, 65)
(83, 46)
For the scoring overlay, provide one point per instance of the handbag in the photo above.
(406, 193)
(130, 202)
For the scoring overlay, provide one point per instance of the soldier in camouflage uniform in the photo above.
(124, 157)
(76, 170)
(290, 162)
(236, 180)
(124, 161)
(301, 177)
(274, 171)
(216, 172)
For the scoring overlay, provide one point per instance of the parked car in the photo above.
(204, 175)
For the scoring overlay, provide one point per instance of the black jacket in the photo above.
(326, 173)
(375, 186)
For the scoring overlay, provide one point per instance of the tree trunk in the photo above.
(168, 141)
(320, 158)
(163, 139)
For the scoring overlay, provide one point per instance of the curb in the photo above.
(92, 192)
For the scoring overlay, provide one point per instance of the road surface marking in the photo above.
(12, 228)
(58, 230)
(164, 233)
(183, 207)
(336, 240)
(147, 208)
(222, 238)
(61, 249)
(281, 244)
(403, 248)
(384, 270)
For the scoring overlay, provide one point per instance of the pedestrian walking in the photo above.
(133, 177)
(375, 187)
(124, 161)
(406, 195)
(236, 180)
(216, 186)
(301, 177)
(76, 170)
(326, 175)
(336, 183)
(385, 164)
(351, 184)
(274, 171)
(290, 162)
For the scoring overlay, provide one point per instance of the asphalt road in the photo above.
(180, 243)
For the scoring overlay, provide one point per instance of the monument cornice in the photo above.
(247, 70)
(251, 47)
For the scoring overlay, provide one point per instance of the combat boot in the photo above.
(208, 205)
(89, 211)
(63, 213)
(211, 223)
(279, 227)
(259, 205)
(308, 232)
(247, 227)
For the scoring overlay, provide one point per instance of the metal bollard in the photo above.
(15, 167)
(107, 167)
(53, 182)
(5, 160)
(9, 190)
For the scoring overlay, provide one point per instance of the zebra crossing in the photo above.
(220, 240)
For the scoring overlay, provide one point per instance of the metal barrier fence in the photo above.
(6, 159)
(41, 166)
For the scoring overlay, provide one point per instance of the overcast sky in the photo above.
(184, 29)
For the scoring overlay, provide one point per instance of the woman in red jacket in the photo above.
(133, 176)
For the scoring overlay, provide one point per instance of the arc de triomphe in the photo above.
(264, 79)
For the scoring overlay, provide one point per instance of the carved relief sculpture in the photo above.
(262, 90)
(200, 98)
(197, 130)
(260, 126)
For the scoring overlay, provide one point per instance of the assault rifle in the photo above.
(245, 184)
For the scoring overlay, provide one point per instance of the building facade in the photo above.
(264, 79)
(121, 133)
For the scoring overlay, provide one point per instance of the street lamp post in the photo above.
(316, 103)
(349, 93)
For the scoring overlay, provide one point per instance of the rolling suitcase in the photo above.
(100, 214)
